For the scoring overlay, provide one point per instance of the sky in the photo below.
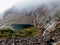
(6, 4)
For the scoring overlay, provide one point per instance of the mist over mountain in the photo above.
(14, 15)
(18, 13)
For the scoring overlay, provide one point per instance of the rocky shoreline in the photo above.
(26, 41)
(18, 41)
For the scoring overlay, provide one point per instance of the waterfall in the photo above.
(50, 27)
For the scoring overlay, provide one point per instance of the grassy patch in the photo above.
(7, 33)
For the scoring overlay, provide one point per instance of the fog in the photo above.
(20, 4)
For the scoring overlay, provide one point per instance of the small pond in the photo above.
(20, 26)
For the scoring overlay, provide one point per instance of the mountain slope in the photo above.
(13, 16)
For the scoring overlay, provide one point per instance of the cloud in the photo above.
(5, 4)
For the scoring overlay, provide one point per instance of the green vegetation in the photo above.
(7, 33)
